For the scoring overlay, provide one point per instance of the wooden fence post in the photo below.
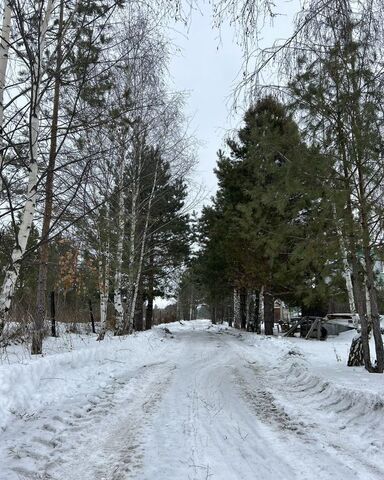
(53, 315)
(91, 315)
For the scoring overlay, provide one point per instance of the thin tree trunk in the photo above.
(142, 251)
(243, 308)
(375, 317)
(236, 309)
(91, 316)
(373, 312)
(118, 301)
(125, 325)
(191, 304)
(104, 294)
(149, 313)
(248, 311)
(269, 319)
(367, 297)
(139, 313)
(361, 310)
(261, 307)
(149, 309)
(360, 156)
(41, 295)
(347, 162)
(231, 314)
(256, 313)
(214, 313)
(13, 270)
(53, 315)
(4, 55)
(349, 225)
(347, 271)
(104, 270)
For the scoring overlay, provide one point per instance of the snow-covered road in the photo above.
(202, 403)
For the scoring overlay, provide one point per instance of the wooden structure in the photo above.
(315, 323)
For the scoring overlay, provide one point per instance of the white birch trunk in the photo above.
(101, 295)
(142, 251)
(104, 291)
(191, 305)
(261, 305)
(104, 267)
(367, 294)
(125, 326)
(117, 298)
(132, 248)
(236, 308)
(368, 302)
(4, 55)
(13, 270)
(347, 270)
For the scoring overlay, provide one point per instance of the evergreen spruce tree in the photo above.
(339, 93)
(268, 226)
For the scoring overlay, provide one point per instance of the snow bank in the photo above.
(28, 382)
(297, 378)
(312, 377)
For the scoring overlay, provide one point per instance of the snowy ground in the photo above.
(203, 403)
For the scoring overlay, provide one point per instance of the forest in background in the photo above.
(95, 158)
(298, 215)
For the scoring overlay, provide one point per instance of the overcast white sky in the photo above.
(207, 68)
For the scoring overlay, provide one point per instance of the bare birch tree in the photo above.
(36, 57)
(4, 54)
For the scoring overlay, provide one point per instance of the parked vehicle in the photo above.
(346, 320)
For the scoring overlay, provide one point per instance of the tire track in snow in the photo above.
(223, 414)
(307, 395)
(58, 445)
(209, 433)
(264, 404)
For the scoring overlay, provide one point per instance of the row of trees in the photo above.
(299, 211)
(268, 229)
(94, 160)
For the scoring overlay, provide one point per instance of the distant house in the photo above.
(281, 311)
